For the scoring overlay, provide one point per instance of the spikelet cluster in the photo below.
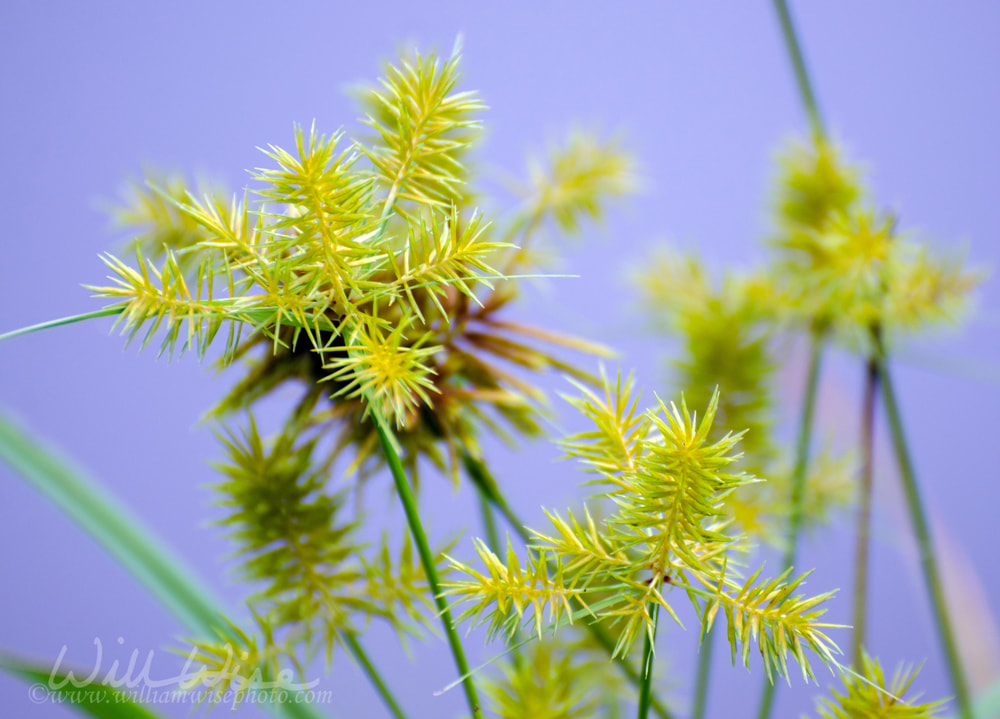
(234, 664)
(557, 678)
(729, 333)
(839, 268)
(150, 213)
(842, 269)
(847, 268)
(576, 181)
(868, 694)
(362, 270)
(726, 331)
(316, 581)
(668, 481)
(815, 185)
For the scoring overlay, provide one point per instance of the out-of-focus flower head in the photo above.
(728, 331)
(845, 267)
(814, 184)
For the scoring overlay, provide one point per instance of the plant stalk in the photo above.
(702, 680)
(72, 319)
(863, 538)
(925, 544)
(361, 657)
(806, 419)
(648, 655)
(799, 67)
(386, 438)
(607, 643)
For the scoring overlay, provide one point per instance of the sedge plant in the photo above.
(362, 270)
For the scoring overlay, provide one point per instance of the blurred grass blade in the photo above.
(95, 699)
(110, 524)
(988, 704)
(113, 526)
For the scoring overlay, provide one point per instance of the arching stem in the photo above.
(925, 544)
(409, 502)
(361, 657)
(799, 68)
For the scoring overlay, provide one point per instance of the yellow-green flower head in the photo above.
(859, 277)
(840, 271)
(846, 268)
(814, 185)
(724, 329)
(559, 678)
(871, 694)
(578, 180)
(668, 481)
(361, 269)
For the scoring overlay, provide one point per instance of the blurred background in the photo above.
(94, 92)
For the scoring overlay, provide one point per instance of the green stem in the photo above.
(481, 477)
(607, 643)
(806, 421)
(361, 657)
(863, 539)
(799, 66)
(925, 544)
(387, 440)
(798, 484)
(487, 487)
(72, 319)
(648, 655)
(701, 683)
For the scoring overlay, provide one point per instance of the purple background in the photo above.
(703, 94)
